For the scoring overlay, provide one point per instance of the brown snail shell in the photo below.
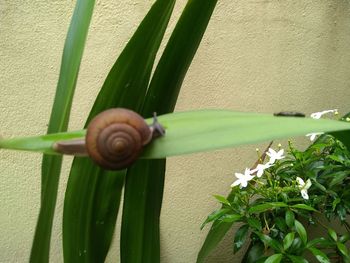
(115, 138)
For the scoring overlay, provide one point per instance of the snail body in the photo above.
(116, 137)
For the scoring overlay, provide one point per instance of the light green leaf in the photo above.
(230, 218)
(276, 258)
(215, 215)
(301, 231)
(321, 257)
(304, 206)
(297, 259)
(342, 248)
(288, 240)
(204, 130)
(332, 234)
(222, 199)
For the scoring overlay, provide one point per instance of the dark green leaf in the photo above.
(215, 215)
(84, 240)
(255, 253)
(268, 241)
(266, 206)
(215, 235)
(161, 98)
(254, 223)
(51, 165)
(240, 237)
(290, 218)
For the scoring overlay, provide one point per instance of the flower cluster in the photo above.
(249, 174)
(243, 179)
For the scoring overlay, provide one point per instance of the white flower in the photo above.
(275, 155)
(259, 170)
(317, 115)
(313, 135)
(243, 179)
(303, 187)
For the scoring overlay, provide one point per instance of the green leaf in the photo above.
(85, 240)
(301, 231)
(215, 235)
(240, 237)
(332, 234)
(161, 98)
(266, 206)
(204, 130)
(276, 258)
(51, 165)
(222, 199)
(342, 248)
(288, 240)
(255, 253)
(321, 257)
(270, 242)
(254, 223)
(290, 218)
(215, 215)
(230, 218)
(297, 259)
(305, 207)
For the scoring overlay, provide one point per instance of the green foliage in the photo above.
(293, 192)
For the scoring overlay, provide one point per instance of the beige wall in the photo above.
(257, 55)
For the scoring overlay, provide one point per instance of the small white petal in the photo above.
(304, 194)
(308, 184)
(300, 182)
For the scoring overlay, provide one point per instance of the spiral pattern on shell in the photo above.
(115, 138)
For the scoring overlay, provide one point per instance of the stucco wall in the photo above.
(257, 55)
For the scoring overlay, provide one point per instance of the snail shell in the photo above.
(115, 138)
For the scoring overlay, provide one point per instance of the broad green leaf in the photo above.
(161, 98)
(215, 235)
(89, 199)
(290, 218)
(222, 199)
(304, 206)
(301, 231)
(215, 215)
(266, 206)
(288, 240)
(321, 257)
(204, 130)
(276, 258)
(240, 237)
(51, 165)
(343, 136)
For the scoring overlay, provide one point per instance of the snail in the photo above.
(114, 138)
(289, 114)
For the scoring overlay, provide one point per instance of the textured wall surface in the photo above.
(257, 55)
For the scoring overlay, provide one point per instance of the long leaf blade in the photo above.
(51, 165)
(161, 98)
(88, 185)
